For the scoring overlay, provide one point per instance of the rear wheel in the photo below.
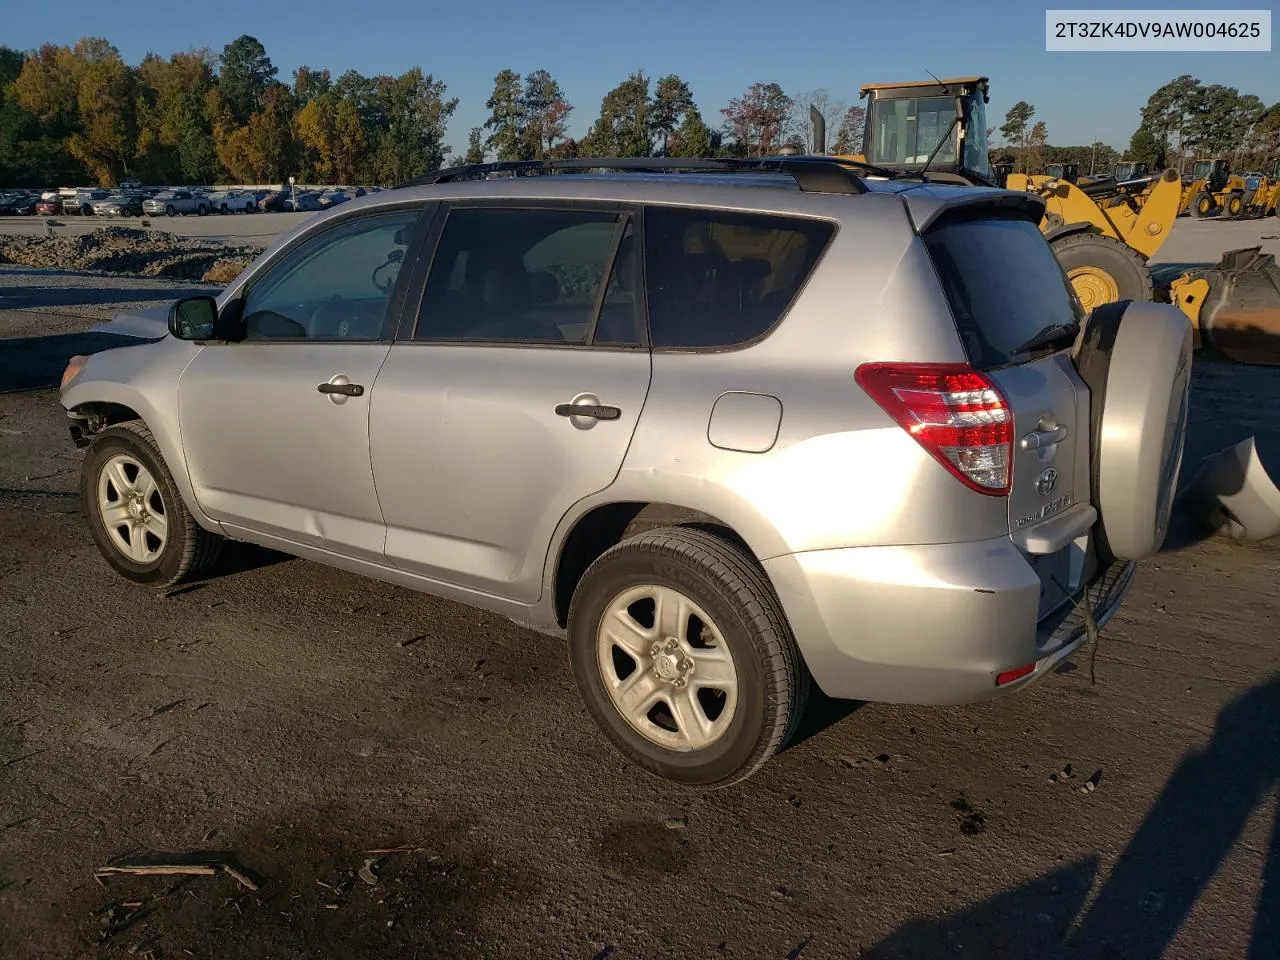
(169, 211)
(1102, 270)
(684, 657)
(1203, 205)
(1235, 205)
(136, 515)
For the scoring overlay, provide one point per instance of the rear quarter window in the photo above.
(1003, 283)
(718, 279)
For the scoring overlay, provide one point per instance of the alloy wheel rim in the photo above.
(132, 509)
(666, 668)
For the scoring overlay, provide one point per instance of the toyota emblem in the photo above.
(1046, 482)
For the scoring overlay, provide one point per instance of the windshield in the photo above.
(977, 154)
(1202, 169)
(905, 132)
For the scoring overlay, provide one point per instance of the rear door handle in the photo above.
(596, 411)
(1039, 438)
(345, 389)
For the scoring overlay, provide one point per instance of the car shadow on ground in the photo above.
(1142, 903)
(38, 297)
(36, 363)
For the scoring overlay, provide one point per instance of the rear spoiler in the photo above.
(928, 209)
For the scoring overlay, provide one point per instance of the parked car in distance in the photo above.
(80, 202)
(302, 201)
(49, 204)
(570, 413)
(18, 204)
(273, 202)
(331, 198)
(232, 201)
(119, 205)
(174, 202)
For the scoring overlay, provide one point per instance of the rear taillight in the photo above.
(954, 412)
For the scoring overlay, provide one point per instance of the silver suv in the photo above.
(733, 430)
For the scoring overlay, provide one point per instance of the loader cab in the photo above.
(1000, 170)
(1214, 172)
(1128, 170)
(907, 122)
(1063, 171)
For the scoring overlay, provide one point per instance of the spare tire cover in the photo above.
(1135, 358)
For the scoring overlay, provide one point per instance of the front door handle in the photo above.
(596, 411)
(1040, 438)
(344, 389)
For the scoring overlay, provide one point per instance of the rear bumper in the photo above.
(930, 624)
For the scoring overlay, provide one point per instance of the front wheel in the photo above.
(684, 657)
(1102, 270)
(1203, 205)
(136, 515)
(169, 211)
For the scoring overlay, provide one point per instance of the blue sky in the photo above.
(719, 47)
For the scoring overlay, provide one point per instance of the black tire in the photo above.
(224, 211)
(1203, 205)
(1128, 272)
(169, 211)
(1235, 205)
(773, 682)
(189, 550)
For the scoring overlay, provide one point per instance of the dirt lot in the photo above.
(299, 717)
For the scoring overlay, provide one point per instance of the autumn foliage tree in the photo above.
(755, 122)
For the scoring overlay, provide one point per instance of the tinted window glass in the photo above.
(333, 286)
(718, 279)
(1004, 285)
(525, 275)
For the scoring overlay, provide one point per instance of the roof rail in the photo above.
(812, 174)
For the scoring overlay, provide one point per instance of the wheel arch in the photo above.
(1070, 229)
(592, 530)
(113, 402)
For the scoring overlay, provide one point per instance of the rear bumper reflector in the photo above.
(1015, 674)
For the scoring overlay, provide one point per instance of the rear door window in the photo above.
(720, 279)
(1004, 285)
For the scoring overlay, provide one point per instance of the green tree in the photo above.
(1168, 114)
(175, 136)
(475, 146)
(1017, 128)
(309, 84)
(416, 117)
(693, 138)
(544, 112)
(507, 139)
(271, 135)
(1146, 147)
(623, 127)
(672, 103)
(245, 74)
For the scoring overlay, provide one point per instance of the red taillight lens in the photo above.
(954, 412)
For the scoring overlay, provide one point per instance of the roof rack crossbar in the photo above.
(812, 174)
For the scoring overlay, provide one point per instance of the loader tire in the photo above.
(1136, 360)
(1102, 270)
(1235, 205)
(1203, 205)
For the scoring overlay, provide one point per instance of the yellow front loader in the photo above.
(1103, 232)
(1212, 189)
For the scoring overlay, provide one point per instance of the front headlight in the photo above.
(74, 367)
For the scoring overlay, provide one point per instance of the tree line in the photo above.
(81, 114)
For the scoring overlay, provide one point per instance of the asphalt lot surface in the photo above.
(299, 717)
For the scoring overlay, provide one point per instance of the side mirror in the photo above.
(194, 318)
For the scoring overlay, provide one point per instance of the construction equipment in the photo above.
(1129, 170)
(1211, 189)
(1103, 232)
(1262, 197)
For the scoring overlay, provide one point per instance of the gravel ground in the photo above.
(300, 717)
(129, 250)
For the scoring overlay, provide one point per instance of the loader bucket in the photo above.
(1235, 306)
(1233, 495)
